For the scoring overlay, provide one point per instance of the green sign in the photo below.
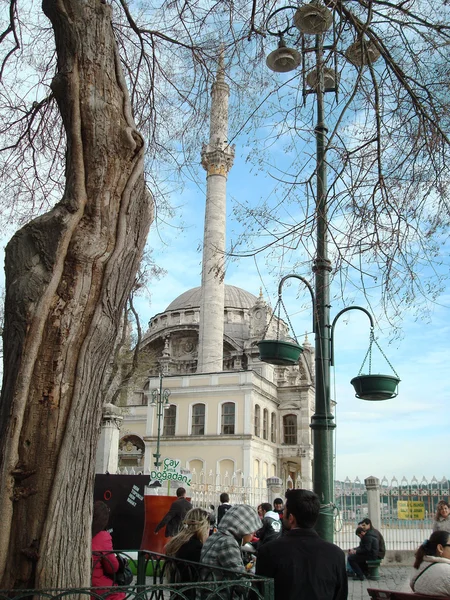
(172, 471)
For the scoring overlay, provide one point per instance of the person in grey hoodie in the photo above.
(223, 548)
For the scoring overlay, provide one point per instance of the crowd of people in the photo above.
(286, 545)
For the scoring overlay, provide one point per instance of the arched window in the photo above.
(273, 428)
(290, 429)
(198, 419)
(228, 410)
(265, 423)
(257, 419)
(170, 419)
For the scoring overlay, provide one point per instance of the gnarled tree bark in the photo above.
(68, 274)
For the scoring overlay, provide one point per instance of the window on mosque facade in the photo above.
(170, 418)
(273, 428)
(228, 409)
(265, 423)
(198, 419)
(257, 419)
(290, 429)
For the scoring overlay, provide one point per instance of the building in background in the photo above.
(229, 412)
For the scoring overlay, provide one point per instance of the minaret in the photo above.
(217, 160)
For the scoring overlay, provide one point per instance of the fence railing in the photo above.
(351, 499)
(159, 577)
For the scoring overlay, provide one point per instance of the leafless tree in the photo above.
(72, 151)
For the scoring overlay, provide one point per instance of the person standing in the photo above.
(187, 546)
(105, 563)
(303, 566)
(442, 517)
(173, 519)
(278, 506)
(223, 506)
(223, 548)
(271, 524)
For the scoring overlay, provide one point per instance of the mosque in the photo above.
(228, 412)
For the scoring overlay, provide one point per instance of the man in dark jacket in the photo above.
(173, 519)
(223, 506)
(304, 566)
(366, 524)
(367, 550)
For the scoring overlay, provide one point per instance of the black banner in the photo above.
(124, 494)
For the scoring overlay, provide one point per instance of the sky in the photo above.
(403, 437)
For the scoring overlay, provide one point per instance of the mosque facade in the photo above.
(228, 412)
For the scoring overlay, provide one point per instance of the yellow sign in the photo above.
(411, 509)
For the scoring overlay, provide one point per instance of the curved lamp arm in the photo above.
(334, 323)
(311, 291)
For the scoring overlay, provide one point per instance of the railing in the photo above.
(159, 577)
(399, 534)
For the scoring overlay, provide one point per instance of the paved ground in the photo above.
(391, 578)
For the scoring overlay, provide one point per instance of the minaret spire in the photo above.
(217, 159)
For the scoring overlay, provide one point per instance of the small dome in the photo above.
(234, 298)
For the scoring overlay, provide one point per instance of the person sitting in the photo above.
(442, 517)
(432, 566)
(187, 545)
(358, 532)
(367, 550)
(104, 561)
(366, 524)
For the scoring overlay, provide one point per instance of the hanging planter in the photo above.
(279, 352)
(375, 387)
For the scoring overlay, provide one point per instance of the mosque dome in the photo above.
(234, 298)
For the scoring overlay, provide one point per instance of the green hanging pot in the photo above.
(375, 387)
(276, 352)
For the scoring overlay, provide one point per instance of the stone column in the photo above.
(274, 489)
(107, 458)
(373, 500)
(217, 160)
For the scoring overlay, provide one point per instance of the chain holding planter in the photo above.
(281, 352)
(369, 386)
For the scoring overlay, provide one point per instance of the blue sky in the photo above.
(406, 436)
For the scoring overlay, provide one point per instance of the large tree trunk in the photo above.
(68, 274)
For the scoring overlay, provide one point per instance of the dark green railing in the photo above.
(158, 577)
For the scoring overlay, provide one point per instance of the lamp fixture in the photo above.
(313, 18)
(330, 78)
(283, 59)
(362, 53)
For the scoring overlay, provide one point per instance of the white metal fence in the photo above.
(399, 534)
(350, 499)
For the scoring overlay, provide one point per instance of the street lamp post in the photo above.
(160, 400)
(315, 19)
